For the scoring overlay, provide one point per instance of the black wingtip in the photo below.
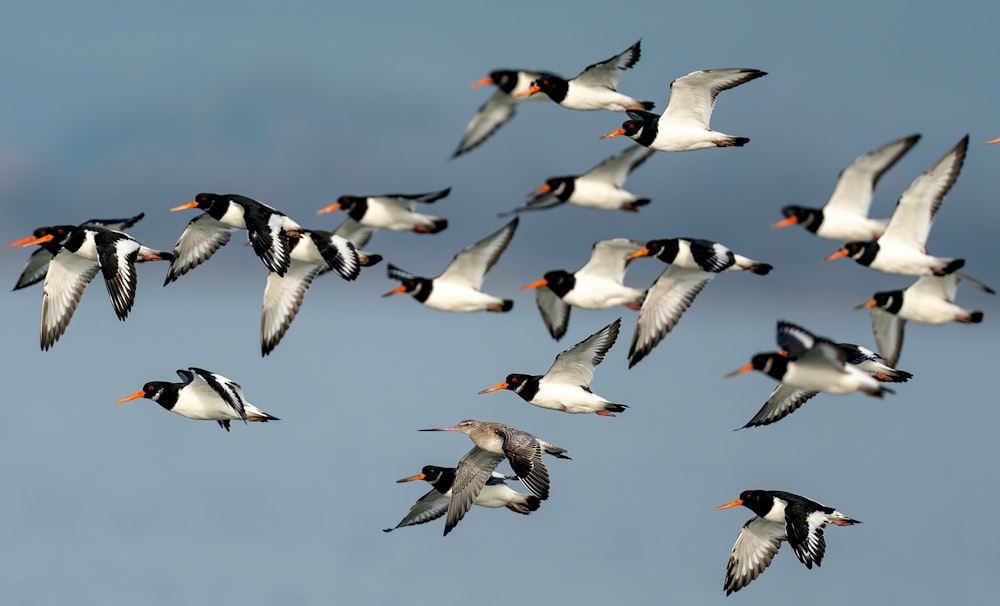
(439, 225)
(740, 141)
(954, 265)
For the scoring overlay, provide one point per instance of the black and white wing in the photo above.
(555, 312)
(617, 168)
(117, 254)
(198, 242)
(856, 183)
(692, 96)
(666, 301)
(282, 299)
(783, 401)
(498, 110)
(34, 269)
(470, 476)
(575, 366)
(469, 266)
(65, 280)
(754, 549)
(888, 329)
(208, 384)
(605, 73)
(429, 507)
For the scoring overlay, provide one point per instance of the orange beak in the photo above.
(542, 190)
(135, 396)
(536, 284)
(396, 291)
(997, 140)
(639, 253)
(614, 133)
(530, 91)
(31, 240)
(741, 370)
(419, 476)
(786, 222)
(735, 503)
(843, 252)
(868, 303)
(328, 209)
(481, 83)
(191, 204)
(494, 388)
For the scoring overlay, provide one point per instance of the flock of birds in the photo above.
(68, 257)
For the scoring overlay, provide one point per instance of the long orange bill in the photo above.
(135, 396)
(843, 252)
(542, 190)
(31, 240)
(480, 83)
(868, 303)
(536, 284)
(639, 253)
(735, 503)
(494, 388)
(530, 91)
(786, 222)
(328, 209)
(742, 369)
(396, 291)
(997, 140)
(419, 476)
(191, 204)
(614, 133)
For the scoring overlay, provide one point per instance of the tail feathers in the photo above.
(153, 255)
(648, 105)
(531, 503)
(952, 266)
(259, 416)
(761, 269)
(976, 317)
(841, 520)
(891, 375)
(733, 142)
(615, 407)
(559, 453)
(368, 259)
(507, 305)
(635, 204)
(439, 225)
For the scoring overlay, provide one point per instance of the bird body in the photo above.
(566, 385)
(202, 395)
(394, 212)
(684, 124)
(780, 516)
(499, 108)
(494, 442)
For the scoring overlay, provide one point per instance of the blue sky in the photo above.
(114, 109)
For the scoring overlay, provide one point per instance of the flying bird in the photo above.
(499, 108)
(683, 126)
(786, 399)
(493, 443)
(78, 253)
(312, 253)
(458, 287)
(599, 188)
(692, 265)
(434, 504)
(597, 285)
(780, 516)
(844, 217)
(38, 262)
(931, 300)
(810, 363)
(359, 235)
(595, 88)
(394, 212)
(268, 231)
(901, 249)
(202, 395)
(566, 385)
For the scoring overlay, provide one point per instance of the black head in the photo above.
(664, 250)
(354, 206)
(504, 79)
(161, 392)
(771, 364)
(559, 281)
(206, 201)
(553, 86)
(440, 478)
(758, 501)
(560, 187)
(809, 218)
(889, 300)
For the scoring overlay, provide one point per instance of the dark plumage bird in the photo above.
(434, 504)
(499, 108)
(780, 516)
(493, 443)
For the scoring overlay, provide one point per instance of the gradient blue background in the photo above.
(114, 108)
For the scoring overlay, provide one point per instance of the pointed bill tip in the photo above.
(866, 304)
(843, 252)
(531, 90)
(535, 284)
(452, 428)
(30, 240)
(614, 133)
(328, 209)
(997, 140)
(644, 252)
(395, 291)
(494, 388)
(735, 503)
(741, 370)
(481, 83)
(786, 222)
(134, 396)
(191, 204)
(419, 476)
